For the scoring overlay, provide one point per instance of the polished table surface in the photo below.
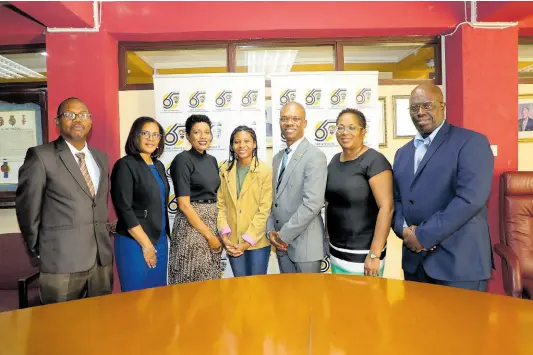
(277, 314)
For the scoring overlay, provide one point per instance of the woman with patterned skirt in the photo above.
(359, 201)
(195, 249)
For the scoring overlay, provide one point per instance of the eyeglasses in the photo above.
(349, 129)
(71, 116)
(147, 135)
(287, 119)
(426, 106)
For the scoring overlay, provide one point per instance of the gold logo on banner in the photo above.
(171, 100)
(197, 99)
(172, 204)
(167, 170)
(216, 133)
(312, 97)
(363, 96)
(249, 98)
(286, 96)
(325, 131)
(337, 97)
(175, 135)
(223, 99)
(325, 264)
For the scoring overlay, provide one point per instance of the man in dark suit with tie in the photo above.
(525, 123)
(61, 207)
(442, 181)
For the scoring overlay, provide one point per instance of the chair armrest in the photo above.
(512, 277)
(23, 289)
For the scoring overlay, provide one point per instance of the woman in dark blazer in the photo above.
(139, 190)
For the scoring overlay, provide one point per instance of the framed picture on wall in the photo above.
(525, 118)
(383, 122)
(23, 124)
(402, 125)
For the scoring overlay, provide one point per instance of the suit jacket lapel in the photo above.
(276, 161)
(437, 142)
(161, 170)
(409, 168)
(295, 159)
(231, 181)
(251, 177)
(70, 163)
(101, 167)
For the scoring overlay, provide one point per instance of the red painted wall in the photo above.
(156, 21)
(85, 66)
(482, 92)
(15, 29)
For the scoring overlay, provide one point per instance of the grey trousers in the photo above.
(287, 266)
(97, 281)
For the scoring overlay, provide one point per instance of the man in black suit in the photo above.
(526, 122)
(61, 207)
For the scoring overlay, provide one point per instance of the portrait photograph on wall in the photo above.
(525, 118)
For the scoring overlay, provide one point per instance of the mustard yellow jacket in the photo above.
(245, 217)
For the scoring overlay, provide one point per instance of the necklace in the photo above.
(356, 155)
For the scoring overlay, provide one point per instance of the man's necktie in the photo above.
(421, 149)
(283, 164)
(85, 172)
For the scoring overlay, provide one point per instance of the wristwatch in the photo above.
(373, 256)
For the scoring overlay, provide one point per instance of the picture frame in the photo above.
(383, 134)
(17, 102)
(525, 128)
(402, 125)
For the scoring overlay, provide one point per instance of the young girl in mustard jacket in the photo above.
(244, 200)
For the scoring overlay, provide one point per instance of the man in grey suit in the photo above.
(61, 207)
(295, 225)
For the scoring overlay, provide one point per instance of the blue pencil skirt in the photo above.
(133, 272)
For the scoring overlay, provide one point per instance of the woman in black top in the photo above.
(359, 201)
(195, 248)
(139, 190)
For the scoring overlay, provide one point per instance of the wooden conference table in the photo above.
(277, 314)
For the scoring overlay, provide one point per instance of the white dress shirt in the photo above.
(92, 166)
(293, 148)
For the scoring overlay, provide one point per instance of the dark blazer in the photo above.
(136, 196)
(446, 199)
(56, 214)
(529, 125)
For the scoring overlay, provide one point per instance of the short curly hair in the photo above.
(194, 119)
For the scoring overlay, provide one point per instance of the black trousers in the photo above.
(421, 276)
(97, 281)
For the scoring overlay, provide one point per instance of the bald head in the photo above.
(426, 107)
(292, 122)
(431, 89)
(293, 106)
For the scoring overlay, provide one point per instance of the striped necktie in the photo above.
(283, 163)
(85, 172)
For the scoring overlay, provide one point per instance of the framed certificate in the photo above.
(23, 125)
(383, 122)
(403, 126)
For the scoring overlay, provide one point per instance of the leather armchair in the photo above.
(19, 273)
(516, 233)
